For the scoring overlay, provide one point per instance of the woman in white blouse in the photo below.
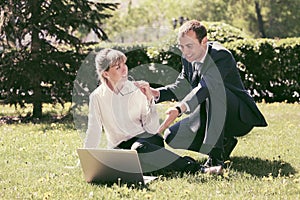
(127, 114)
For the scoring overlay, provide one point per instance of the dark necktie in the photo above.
(196, 75)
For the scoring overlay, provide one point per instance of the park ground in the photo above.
(38, 160)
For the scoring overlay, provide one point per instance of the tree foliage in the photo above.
(277, 18)
(40, 50)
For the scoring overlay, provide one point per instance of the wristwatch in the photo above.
(179, 111)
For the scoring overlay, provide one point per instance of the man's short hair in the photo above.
(195, 26)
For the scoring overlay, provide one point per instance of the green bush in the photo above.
(223, 33)
(269, 68)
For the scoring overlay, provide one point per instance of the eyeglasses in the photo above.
(128, 87)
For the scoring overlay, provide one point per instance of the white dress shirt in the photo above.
(121, 116)
(199, 86)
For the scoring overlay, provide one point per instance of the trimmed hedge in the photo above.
(269, 68)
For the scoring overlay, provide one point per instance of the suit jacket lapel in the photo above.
(206, 60)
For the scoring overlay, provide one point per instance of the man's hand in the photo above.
(172, 114)
(155, 92)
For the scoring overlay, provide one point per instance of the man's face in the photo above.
(191, 48)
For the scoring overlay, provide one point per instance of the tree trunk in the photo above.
(37, 103)
(35, 55)
(259, 20)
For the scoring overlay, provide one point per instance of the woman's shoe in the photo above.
(217, 170)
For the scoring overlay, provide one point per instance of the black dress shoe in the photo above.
(189, 159)
(193, 167)
(229, 145)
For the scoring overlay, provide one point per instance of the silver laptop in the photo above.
(112, 166)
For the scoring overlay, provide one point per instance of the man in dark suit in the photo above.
(211, 91)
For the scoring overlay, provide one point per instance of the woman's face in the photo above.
(117, 72)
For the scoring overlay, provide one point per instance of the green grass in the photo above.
(39, 161)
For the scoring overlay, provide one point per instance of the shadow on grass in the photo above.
(262, 168)
(45, 119)
(137, 186)
(162, 175)
(255, 166)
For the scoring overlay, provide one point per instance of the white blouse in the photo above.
(122, 116)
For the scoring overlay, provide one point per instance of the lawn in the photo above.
(39, 161)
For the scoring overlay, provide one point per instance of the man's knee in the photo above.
(143, 146)
(173, 139)
(139, 145)
(239, 132)
(168, 136)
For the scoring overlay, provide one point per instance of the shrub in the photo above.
(269, 68)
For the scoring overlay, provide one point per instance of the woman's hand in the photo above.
(145, 88)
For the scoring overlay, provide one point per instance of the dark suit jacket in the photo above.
(221, 89)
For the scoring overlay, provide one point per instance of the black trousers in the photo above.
(153, 155)
(180, 135)
(234, 125)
